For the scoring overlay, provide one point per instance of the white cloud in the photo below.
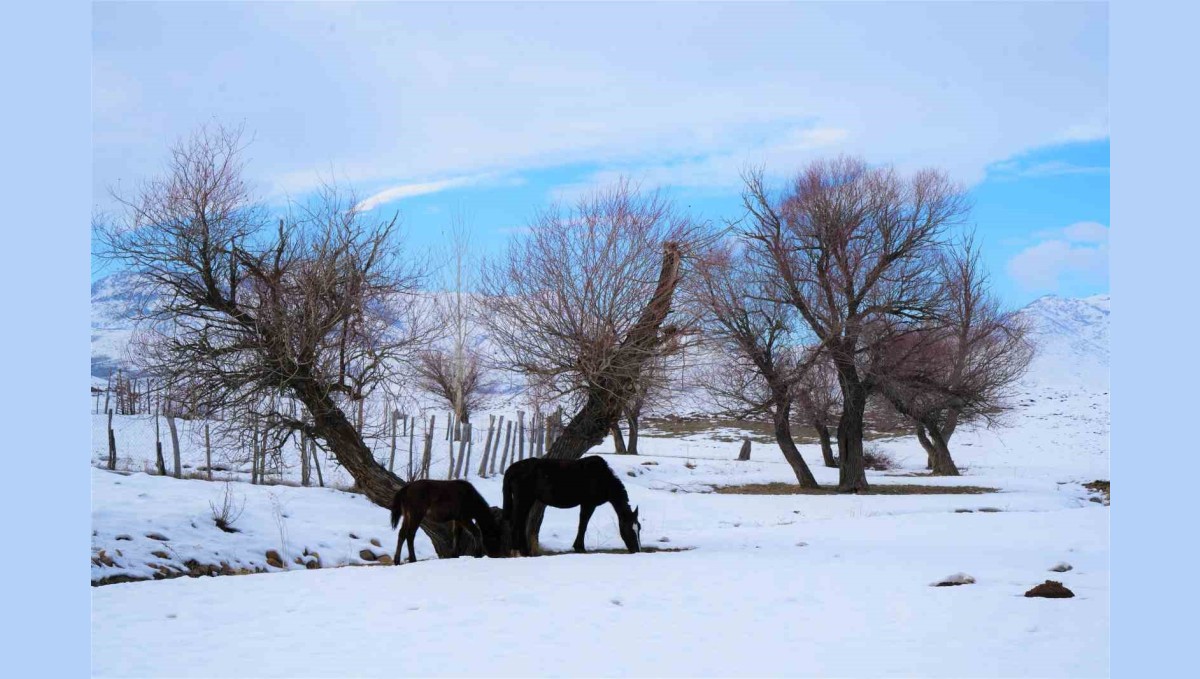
(507, 88)
(417, 189)
(1077, 253)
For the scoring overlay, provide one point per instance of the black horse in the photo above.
(441, 501)
(586, 483)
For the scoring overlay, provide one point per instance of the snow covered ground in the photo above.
(766, 585)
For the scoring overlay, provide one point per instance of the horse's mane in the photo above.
(618, 488)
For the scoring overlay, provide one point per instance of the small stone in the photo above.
(124, 537)
(385, 559)
(273, 559)
(664, 539)
(964, 511)
(1050, 589)
(954, 580)
(353, 536)
(161, 554)
(990, 509)
(158, 536)
(1061, 567)
(375, 541)
(367, 555)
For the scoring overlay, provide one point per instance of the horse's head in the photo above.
(631, 531)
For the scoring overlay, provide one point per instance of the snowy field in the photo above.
(764, 585)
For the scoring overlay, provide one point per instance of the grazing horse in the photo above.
(586, 483)
(455, 501)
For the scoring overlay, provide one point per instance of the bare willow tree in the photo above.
(819, 403)
(582, 302)
(754, 336)
(854, 247)
(963, 368)
(250, 312)
(454, 371)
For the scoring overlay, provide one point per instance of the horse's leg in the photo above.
(412, 533)
(456, 530)
(585, 515)
(520, 526)
(400, 540)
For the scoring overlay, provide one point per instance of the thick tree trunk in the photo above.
(826, 445)
(618, 439)
(605, 401)
(943, 464)
(783, 436)
(373, 479)
(852, 476)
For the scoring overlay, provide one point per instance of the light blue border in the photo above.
(1153, 274)
(45, 54)
(46, 168)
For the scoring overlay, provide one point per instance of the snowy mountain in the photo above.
(1072, 341)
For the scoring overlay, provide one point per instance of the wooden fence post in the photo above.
(428, 456)
(507, 444)
(392, 458)
(412, 430)
(496, 446)
(112, 442)
(487, 447)
(520, 434)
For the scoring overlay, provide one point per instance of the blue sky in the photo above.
(492, 111)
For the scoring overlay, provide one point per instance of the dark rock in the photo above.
(1050, 589)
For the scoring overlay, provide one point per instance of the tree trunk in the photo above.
(305, 467)
(923, 437)
(618, 440)
(783, 436)
(175, 446)
(604, 402)
(632, 418)
(373, 479)
(943, 464)
(852, 476)
(826, 447)
(744, 453)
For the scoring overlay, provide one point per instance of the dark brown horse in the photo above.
(455, 501)
(586, 483)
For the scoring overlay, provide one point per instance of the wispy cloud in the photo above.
(1075, 253)
(403, 191)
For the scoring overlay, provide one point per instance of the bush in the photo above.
(876, 459)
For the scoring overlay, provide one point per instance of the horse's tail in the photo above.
(398, 506)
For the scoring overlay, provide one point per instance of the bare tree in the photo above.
(819, 403)
(854, 249)
(454, 371)
(962, 367)
(319, 306)
(753, 334)
(581, 303)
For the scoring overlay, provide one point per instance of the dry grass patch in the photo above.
(877, 489)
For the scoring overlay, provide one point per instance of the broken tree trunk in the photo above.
(744, 453)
